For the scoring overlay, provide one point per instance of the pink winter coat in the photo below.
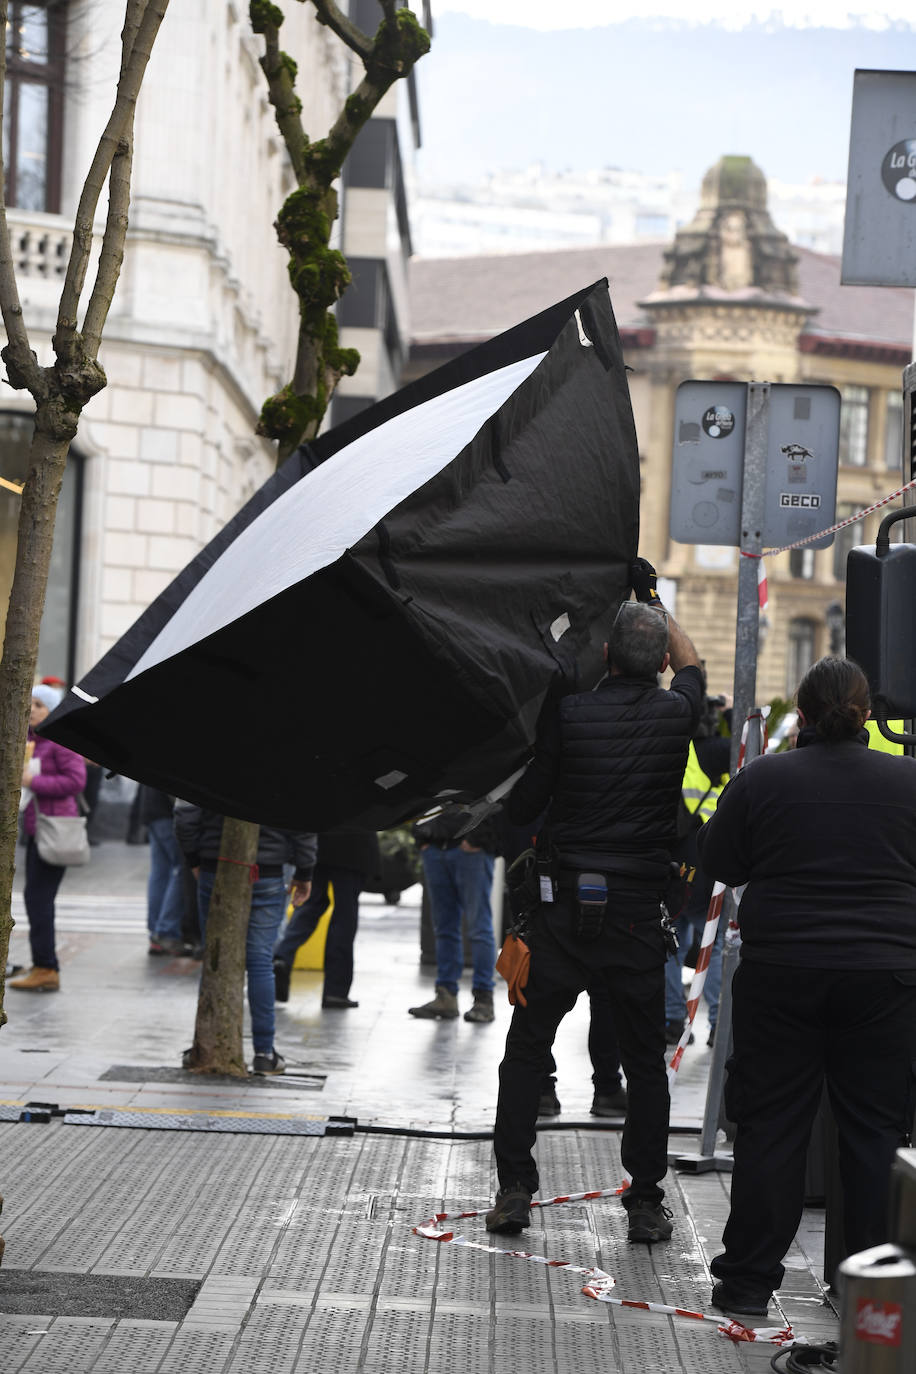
(56, 787)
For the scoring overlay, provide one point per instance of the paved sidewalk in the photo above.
(296, 1251)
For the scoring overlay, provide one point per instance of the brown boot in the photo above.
(444, 1006)
(37, 980)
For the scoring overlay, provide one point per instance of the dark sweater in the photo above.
(611, 762)
(825, 838)
(199, 833)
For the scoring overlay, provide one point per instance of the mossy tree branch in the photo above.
(318, 273)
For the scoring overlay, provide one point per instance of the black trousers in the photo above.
(602, 1041)
(628, 963)
(794, 1028)
(342, 927)
(41, 883)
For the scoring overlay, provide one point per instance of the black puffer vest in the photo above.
(623, 751)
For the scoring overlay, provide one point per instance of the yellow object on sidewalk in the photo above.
(311, 954)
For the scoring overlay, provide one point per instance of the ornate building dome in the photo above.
(732, 244)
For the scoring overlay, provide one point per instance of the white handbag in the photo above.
(62, 840)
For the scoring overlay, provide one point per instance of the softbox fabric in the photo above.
(375, 631)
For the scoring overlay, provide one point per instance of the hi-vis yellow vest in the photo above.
(877, 741)
(701, 795)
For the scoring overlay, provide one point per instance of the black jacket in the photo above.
(825, 838)
(199, 833)
(352, 847)
(611, 762)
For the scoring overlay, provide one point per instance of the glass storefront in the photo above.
(57, 647)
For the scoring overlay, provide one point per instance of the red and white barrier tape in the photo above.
(598, 1284)
(713, 916)
(812, 538)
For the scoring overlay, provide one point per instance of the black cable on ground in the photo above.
(802, 1359)
(420, 1134)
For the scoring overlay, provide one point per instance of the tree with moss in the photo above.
(60, 391)
(319, 276)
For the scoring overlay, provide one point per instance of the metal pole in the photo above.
(745, 689)
(753, 497)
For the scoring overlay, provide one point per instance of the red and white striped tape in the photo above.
(598, 1284)
(762, 599)
(713, 916)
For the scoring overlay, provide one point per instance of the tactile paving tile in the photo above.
(333, 1338)
(54, 1353)
(197, 1351)
(270, 1342)
(224, 1125)
(524, 1341)
(134, 1347)
(648, 1344)
(397, 1340)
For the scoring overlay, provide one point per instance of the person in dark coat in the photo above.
(199, 834)
(825, 839)
(347, 855)
(56, 777)
(610, 764)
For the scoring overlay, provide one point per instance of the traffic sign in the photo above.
(802, 426)
(879, 236)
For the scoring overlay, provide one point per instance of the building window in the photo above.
(33, 104)
(893, 432)
(846, 539)
(854, 427)
(801, 652)
(801, 563)
(56, 647)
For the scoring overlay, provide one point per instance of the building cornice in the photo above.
(864, 350)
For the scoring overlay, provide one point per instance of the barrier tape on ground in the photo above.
(599, 1284)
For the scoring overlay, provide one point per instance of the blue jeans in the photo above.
(268, 903)
(457, 882)
(165, 889)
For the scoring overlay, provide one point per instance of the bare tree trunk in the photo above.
(217, 1044)
(47, 460)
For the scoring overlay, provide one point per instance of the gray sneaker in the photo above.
(648, 1222)
(265, 1064)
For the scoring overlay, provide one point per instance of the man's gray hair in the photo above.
(638, 641)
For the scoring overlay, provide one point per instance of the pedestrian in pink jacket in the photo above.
(56, 776)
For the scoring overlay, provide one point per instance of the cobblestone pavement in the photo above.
(302, 1245)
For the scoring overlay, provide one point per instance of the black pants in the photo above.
(338, 950)
(41, 883)
(629, 963)
(602, 1041)
(794, 1028)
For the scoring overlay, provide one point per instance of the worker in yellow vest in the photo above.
(704, 778)
(877, 741)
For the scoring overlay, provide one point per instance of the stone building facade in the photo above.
(202, 328)
(729, 298)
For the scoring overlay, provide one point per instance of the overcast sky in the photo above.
(657, 86)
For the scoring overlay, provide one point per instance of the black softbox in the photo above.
(375, 631)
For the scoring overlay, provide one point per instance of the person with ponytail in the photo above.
(824, 836)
